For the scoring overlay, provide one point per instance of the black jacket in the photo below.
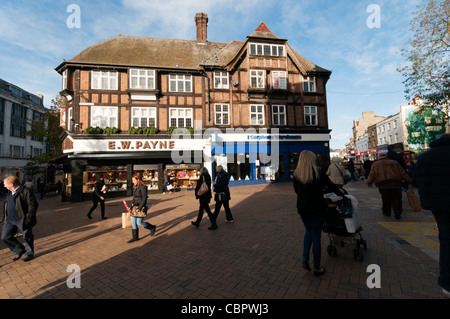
(204, 178)
(26, 206)
(432, 176)
(98, 185)
(310, 200)
(221, 185)
(140, 197)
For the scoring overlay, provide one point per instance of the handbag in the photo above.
(126, 220)
(413, 200)
(203, 189)
(347, 177)
(136, 212)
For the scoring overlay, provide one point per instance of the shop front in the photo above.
(117, 159)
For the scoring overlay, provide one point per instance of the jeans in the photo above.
(443, 223)
(138, 221)
(312, 238)
(9, 230)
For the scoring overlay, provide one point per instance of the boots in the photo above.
(152, 229)
(135, 233)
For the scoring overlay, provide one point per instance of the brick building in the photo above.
(246, 101)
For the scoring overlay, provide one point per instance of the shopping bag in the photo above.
(126, 220)
(413, 200)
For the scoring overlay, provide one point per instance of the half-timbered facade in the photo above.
(232, 96)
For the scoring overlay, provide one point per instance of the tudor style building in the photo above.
(249, 91)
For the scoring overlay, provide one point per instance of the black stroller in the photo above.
(342, 225)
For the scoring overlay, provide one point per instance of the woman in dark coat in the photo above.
(204, 199)
(98, 196)
(309, 184)
(139, 201)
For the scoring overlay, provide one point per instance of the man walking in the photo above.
(387, 175)
(98, 196)
(222, 197)
(432, 176)
(19, 211)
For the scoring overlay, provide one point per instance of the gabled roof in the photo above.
(263, 32)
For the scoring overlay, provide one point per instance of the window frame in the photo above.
(276, 83)
(257, 77)
(262, 113)
(139, 76)
(110, 107)
(111, 75)
(140, 116)
(260, 49)
(178, 109)
(309, 81)
(185, 78)
(310, 115)
(223, 75)
(222, 112)
(278, 113)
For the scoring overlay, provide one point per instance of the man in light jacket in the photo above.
(19, 212)
(387, 175)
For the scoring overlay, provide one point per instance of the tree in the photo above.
(48, 130)
(424, 126)
(428, 54)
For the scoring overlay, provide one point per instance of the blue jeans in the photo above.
(8, 232)
(443, 223)
(312, 238)
(138, 221)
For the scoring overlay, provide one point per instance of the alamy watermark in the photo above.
(74, 19)
(374, 19)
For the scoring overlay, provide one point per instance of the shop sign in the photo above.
(141, 145)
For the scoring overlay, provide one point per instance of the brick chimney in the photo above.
(201, 20)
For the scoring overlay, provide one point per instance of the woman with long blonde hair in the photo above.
(309, 184)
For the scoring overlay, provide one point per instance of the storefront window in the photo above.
(115, 178)
(150, 175)
(68, 184)
(183, 176)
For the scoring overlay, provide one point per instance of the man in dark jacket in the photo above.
(99, 190)
(393, 155)
(222, 196)
(432, 176)
(19, 212)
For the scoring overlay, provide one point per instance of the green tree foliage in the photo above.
(425, 125)
(428, 54)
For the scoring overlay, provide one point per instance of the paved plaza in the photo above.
(256, 257)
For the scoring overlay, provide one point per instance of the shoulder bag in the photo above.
(203, 189)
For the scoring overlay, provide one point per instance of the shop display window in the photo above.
(149, 175)
(115, 178)
(68, 184)
(184, 176)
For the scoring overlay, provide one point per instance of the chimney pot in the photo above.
(201, 21)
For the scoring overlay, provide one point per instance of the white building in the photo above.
(362, 148)
(390, 132)
(17, 108)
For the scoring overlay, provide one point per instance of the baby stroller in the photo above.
(343, 225)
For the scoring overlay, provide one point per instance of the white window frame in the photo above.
(104, 80)
(260, 79)
(279, 80)
(221, 80)
(104, 116)
(64, 79)
(180, 82)
(181, 113)
(144, 79)
(277, 112)
(69, 118)
(309, 84)
(257, 114)
(312, 116)
(143, 113)
(266, 49)
(221, 111)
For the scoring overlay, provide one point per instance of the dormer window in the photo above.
(266, 49)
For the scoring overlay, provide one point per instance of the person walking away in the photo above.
(387, 175)
(351, 169)
(367, 165)
(393, 155)
(309, 183)
(204, 199)
(98, 196)
(19, 213)
(139, 202)
(336, 173)
(41, 189)
(432, 176)
(222, 196)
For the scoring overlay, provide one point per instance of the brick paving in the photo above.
(257, 257)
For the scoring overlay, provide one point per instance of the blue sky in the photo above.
(334, 34)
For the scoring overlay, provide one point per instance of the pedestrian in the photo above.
(351, 169)
(222, 196)
(367, 165)
(336, 173)
(98, 196)
(19, 211)
(167, 186)
(309, 183)
(393, 155)
(432, 176)
(41, 189)
(139, 203)
(204, 199)
(387, 175)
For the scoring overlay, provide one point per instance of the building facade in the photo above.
(17, 108)
(251, 106)
(390, 132)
